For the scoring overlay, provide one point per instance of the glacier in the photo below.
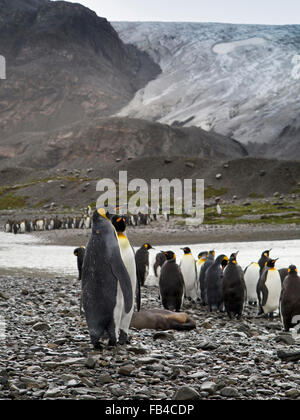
(242, 81)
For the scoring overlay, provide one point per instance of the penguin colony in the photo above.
(69, 222)
(112, 275)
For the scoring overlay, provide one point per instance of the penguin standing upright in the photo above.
(128, 257)
(142, 263)
(106, 285)
(160, 259)
(290, 299)
(189, 272)
(209, 261)
(214, 283)
(79, 253)
(171, 283)
(202, 257)
(252, 276)
(269, 289)
(234, 288)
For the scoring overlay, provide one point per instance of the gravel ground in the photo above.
(45, 352)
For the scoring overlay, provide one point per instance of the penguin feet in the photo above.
(123, 338)
(112, 343)
(97, 346)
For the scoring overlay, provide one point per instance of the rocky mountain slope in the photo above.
(64, 64)
(102, 141)
(241, 81)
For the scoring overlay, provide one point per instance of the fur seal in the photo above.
(161, 320)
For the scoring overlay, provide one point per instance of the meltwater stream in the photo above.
(26, 254)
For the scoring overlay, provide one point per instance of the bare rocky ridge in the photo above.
(64, 64)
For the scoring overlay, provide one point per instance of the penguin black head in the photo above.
(233, 258)
(107, 212)
(169, 255)
(271, 263)
(203, 255)
(186, 250)
(212, 253)
(79, 250)
(119, 223)
(147, 246)
(266, 253)
(293, 269)
(222, 260)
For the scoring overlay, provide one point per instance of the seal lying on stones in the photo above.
(161, 320)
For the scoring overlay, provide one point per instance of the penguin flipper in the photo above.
(122, 276)
(265, 294)
(138, 295)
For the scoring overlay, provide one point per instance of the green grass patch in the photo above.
(256, 195)
(255, 213)
(211, 192)
(11, 201)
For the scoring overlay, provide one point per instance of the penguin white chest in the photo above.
(128, 258)
(188, 269)
(273, 285)
(251, 280)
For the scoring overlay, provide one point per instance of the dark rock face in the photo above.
(107, 139)
(64, 64)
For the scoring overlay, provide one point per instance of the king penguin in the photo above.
(234, 288)
(160, 259)
(171, 283)
(189, 272)
(263, 260)
(106, 285)
(209, 261)
(252, 275)
(290, 299)
(269, 289)
(214, 284)
(142, 263)
(202, 257)
(79, 253)
(128, 257)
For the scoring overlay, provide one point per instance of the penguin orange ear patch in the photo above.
(146, 246)
(102, 212)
